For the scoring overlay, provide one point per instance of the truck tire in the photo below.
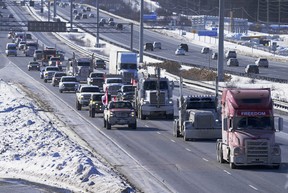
(104, 123)
(108, 125)
(92, 112)
(232, 165)
(133, 126)
(78, 106)
(45, 80)
(220, 153)
(176, 132)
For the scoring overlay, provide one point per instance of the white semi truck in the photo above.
(154, 97)
(80, 67)
(198, 117)
(125, 64)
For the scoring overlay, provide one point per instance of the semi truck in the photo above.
(248, 128)
(198, 117)
(154, 97)
(80, 67)
(125, 64)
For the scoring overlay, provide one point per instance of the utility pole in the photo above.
(54, 9)
(220, 73)
(42, 4)
(267, 15)
(141, 32)
(131, 41)
(49, 7)
(97, 30)
(71, 14)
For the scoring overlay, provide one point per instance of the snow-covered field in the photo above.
(33, 147)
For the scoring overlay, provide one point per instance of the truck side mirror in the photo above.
(280, 124)
(225, 126)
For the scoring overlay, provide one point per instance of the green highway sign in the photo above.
(46, 26)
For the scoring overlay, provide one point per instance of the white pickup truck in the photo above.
(119, 113)
(83, 95)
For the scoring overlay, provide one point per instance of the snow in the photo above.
(33, 146)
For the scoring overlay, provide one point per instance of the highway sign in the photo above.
(150, 17)
(207, 33)
(46, 26)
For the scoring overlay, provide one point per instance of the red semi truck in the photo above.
(248, 128)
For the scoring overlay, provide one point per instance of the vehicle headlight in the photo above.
(145, 102)
(111, 114)
(276, 150)
(170, 101)
(132, 114)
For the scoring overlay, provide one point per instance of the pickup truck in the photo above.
(83, 95)
(96, 78)
(96, 105)
(119, 113)
(48, 72)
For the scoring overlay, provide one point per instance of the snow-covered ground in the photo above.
(33, 146)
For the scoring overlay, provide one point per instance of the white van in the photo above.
(11, 49)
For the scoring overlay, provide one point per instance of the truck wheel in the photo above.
(133, 126)
(60, 91)
(108, 125)
(232, 165)
(45, 80)
(78, 105)
(219, 153)
(93, 112)
(104, 123)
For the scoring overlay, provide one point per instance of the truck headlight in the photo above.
(276, 150)
(111, 114)
(171, 102)
(238, 151)
(132, 114)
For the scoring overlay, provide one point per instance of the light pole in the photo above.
(54, 8)
(141, 33)
(221, 42)
(97, 29)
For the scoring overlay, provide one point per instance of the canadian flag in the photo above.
(105, 97)
(133, 82)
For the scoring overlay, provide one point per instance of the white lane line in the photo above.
(146, 126)
(159, 133)
(227, 172)
(205, 159)
(187, 149)
(253, 187)
(172, 140)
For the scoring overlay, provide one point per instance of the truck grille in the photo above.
(257, 151)
(153, 98)
(122, 114)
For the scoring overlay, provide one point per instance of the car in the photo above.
(157, 45)
(77, 17)
(96, 78)
(91, 15)
(148, 46)
(88, 8)
(34, 66)
(29, 51)
(75, 11)
(110, 19)
(214, 56)
(49, 72)
(262, 62)
(56, 78)
(180, 51)
(232, 62)
(184, 46)
(101, 23)
(205, 50)
(10, 16)
(68, 84)
(111, 23)
(84, 16)
(95, 104)
(99, 63)
(4, 7)
(103, 20)
(80, 14)
(21, 45)
(119, 26)
(230, 54)
(11, 49)
(252, 69)
(126, 93)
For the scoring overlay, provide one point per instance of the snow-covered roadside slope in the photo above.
(33, 148)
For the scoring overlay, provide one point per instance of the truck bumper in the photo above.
(121, 121)
(151, 110)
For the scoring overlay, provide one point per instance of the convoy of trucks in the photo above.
(154, 97)
(198, 117)
(248, 128)
(125, 64)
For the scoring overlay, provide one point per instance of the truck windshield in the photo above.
(83, 63)
(128, 88)
(129, 66)
(201, 105)
(152, 85)
(254, 123)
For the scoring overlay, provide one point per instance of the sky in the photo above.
(33, 146)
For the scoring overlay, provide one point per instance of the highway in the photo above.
(150, 157)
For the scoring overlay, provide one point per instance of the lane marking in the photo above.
(253, 187)
(187, 149)
(205, 159)
(146, 126)
(158, 132)
(172, 140)
(227, 172)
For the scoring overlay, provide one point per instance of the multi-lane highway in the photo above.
(150, 157)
